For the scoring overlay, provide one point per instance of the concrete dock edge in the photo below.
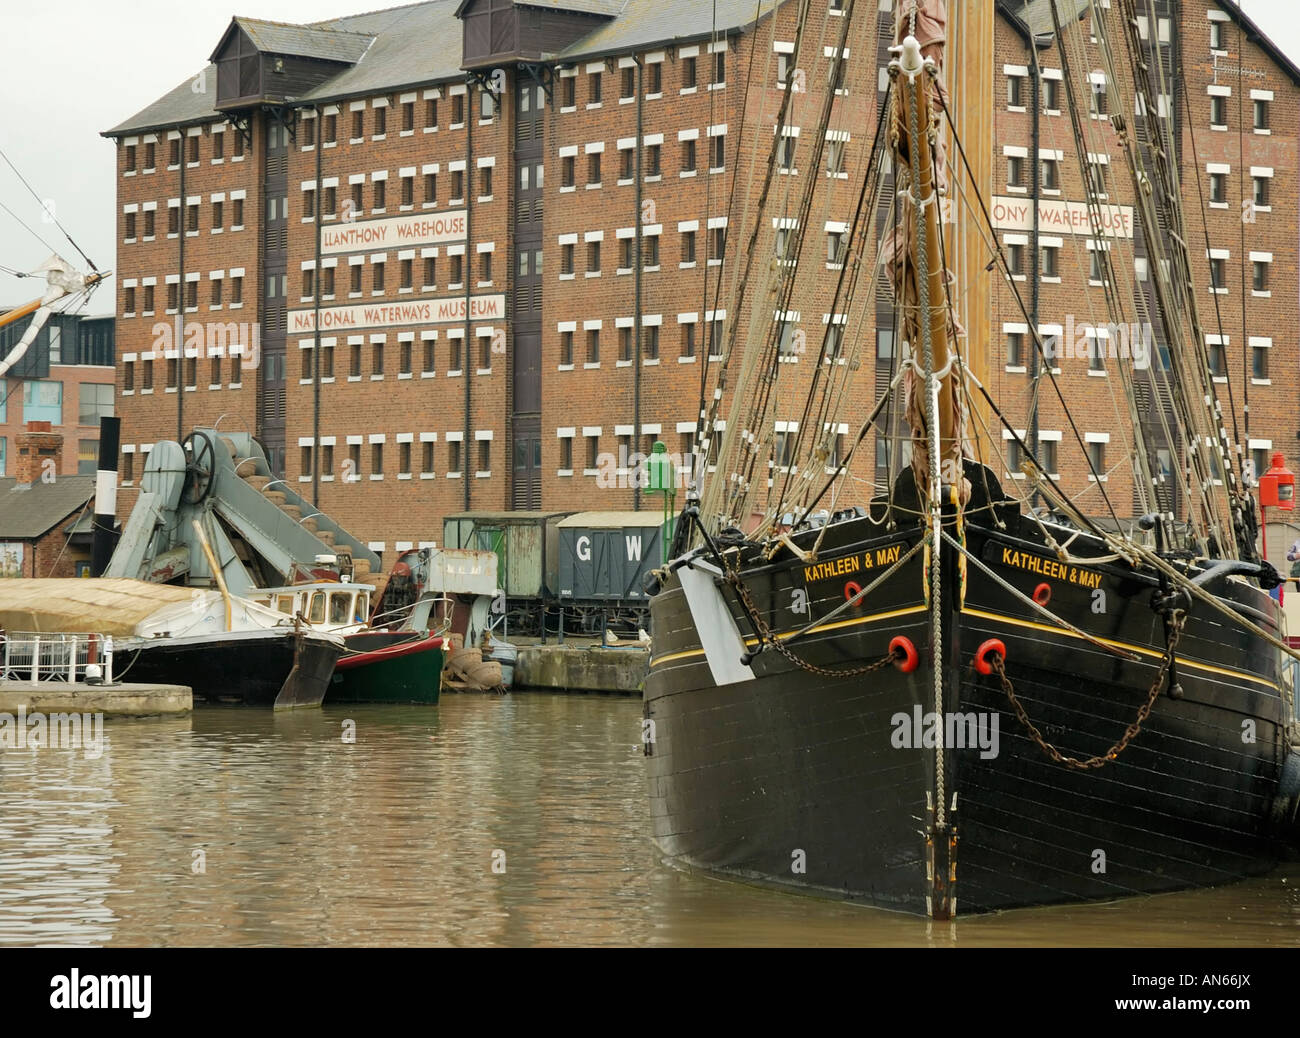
(124, 700)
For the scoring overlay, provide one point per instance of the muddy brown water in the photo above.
(515, 820)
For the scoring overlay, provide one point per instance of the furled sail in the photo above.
(920, 276)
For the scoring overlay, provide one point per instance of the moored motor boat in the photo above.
(224, 647)
(388, 667)
(400, 665)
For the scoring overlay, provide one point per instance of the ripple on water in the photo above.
(306, 840)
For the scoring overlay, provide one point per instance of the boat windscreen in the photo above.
(341, 607)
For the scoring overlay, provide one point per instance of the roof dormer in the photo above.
(261, 62)
(498, 32)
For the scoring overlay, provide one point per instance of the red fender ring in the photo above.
(910, 659)
(1043, 594)
(992, 646)
(850, 589)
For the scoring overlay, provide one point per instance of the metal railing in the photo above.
(36, 657)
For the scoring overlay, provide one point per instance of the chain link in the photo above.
(996, 662)
(767, 637)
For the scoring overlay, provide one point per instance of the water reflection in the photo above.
(242, 827)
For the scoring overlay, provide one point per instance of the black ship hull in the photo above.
(258, 668)
(833, 784)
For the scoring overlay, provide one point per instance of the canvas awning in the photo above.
(96, 605)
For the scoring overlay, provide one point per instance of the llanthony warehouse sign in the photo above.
(1060, 217)
(396, 315)
(412, 230)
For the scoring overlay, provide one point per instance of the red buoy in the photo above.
(910, 658)
(990, 647)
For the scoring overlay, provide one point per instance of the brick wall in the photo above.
(214, 383)
(429, 405)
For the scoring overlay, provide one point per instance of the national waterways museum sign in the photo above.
(411, 231)
(396, 315)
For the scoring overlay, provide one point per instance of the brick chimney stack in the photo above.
(33, 447)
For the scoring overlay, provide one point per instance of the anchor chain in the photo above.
(1176, 621)
(767, 637)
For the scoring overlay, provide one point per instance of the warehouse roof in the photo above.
(302, 41)
(504, 517)
(1034, 17)
(609, 8)
(28, 511)
(190, 102)
(411, 47)
(647, 22)
(421, 43)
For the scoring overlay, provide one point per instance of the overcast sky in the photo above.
(72, 70)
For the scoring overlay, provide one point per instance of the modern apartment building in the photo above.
(66, 378)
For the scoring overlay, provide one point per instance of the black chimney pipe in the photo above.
(104, 539)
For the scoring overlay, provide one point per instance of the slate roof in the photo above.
(646, 22)
(305, 41)
(401, 49)
(609, 8)
(421, 43)
(1035, 16)
(28, 512)
(180, 105)
(406, 50)
(84, 524)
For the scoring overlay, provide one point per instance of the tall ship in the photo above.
(965, 688)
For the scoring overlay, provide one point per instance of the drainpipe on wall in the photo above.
(317, 279)
(181, 226)
(636, 313)
(1034, 369)
(470, 117)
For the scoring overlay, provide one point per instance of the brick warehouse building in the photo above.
(454, 189)
(1233, 102)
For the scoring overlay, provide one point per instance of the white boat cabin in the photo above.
(341, 608)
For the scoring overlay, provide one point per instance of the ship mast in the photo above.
(931, 330)
(934, 404)
(970, 70)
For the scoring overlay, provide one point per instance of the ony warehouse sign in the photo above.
(1016, 214)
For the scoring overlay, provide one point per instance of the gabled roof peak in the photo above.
(301, 41)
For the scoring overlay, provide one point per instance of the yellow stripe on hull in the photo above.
(837, 625)
(1000, 618)
(1140, 649)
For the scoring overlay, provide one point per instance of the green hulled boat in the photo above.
(388, 667)
(379, 665)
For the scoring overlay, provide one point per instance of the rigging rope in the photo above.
(44, 208)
